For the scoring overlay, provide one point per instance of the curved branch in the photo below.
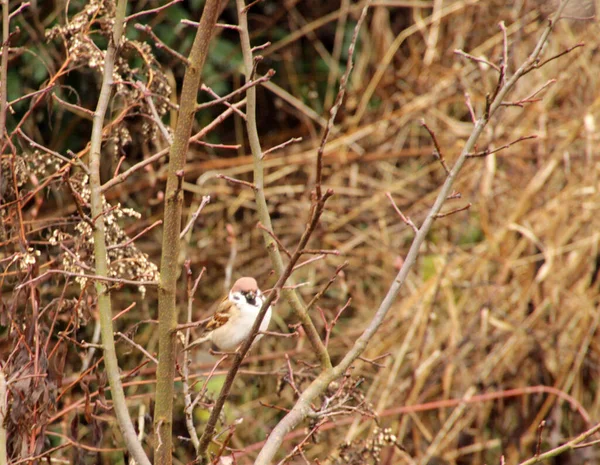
(303, 406)
(100, 253)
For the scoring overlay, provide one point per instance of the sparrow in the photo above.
(232, 322)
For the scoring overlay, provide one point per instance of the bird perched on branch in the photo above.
(231, 324)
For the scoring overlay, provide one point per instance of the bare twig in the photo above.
(237, 181)
(224, 101)
(155, 116)
(232, 256)
(75, 109)
(136, 345)
(242, 89)
(487, 152)
(275, 238)
(438, 151)
(537, 65)
(3, 412)
(452, 212)
(189, 414)
(157, 156)
(134, 238)
(282, 145)
(4, 72)
(151, 11)
(338, 100)
(160, 44)
(205, 200)
(477, 59)
(406, 219)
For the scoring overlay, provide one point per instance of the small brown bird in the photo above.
(230, 325)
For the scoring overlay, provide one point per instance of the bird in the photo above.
(232, 322)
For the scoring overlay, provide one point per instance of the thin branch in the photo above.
(531, 98)
(134, 238)
(476, 59)
(232, 256)
(262, 208)
(224, 102)
(75, 109)
(452, 212)
(406, 219)
(33, 94)
(242, 89)
(19, 9)
(151, 11)
(4, 73)
(438, 151)
(320, 294)
(157, 156)
(275, 238)
(3, 412)
(338, 100)
(309, 261)
(237, 181)
(545, 62)
(160, 44)
(487, 152)
(137, 346)
(34, 144)
(293, 140)
(205, 200)
(155, 116)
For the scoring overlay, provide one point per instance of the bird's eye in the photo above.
(236, 297)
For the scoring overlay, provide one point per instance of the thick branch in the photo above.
(167, 307)
(100, 253)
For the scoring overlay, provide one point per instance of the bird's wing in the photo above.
(225, 312)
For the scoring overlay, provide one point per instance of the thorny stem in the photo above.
(100, 252)
(302, 408)
(167, 291)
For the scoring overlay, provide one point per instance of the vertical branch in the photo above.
(261, 202)
(167, 305)
(4, 69)
(3, 74)
(100, 253)
(3, 407)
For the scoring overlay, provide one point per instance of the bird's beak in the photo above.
(251, 297)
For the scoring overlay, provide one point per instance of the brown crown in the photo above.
(245, 284)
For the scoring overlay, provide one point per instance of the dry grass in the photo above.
(505, 295)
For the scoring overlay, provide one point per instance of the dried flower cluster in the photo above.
(125, 259)
(129, 102)
(369, 450)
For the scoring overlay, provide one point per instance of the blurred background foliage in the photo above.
(505, 295)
